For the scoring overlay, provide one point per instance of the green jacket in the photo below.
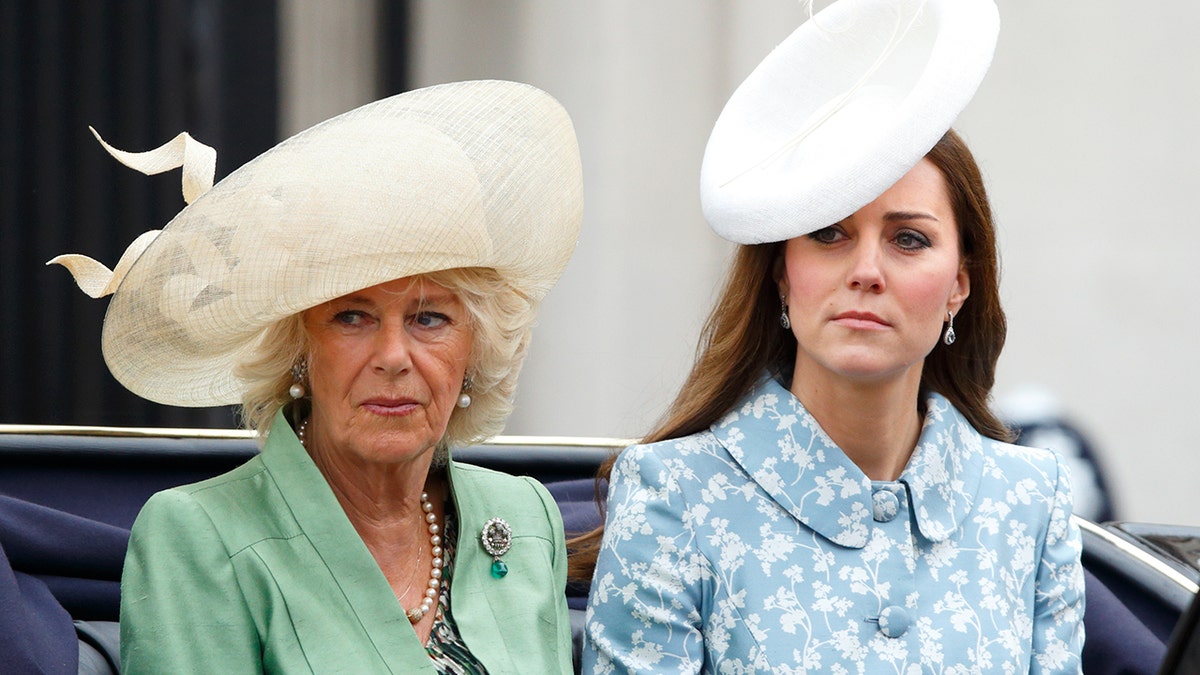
(260, 570)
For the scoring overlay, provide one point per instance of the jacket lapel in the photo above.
(347, 558)
(478, 613)
(945, 470)
(781, 447)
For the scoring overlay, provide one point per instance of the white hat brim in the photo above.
(840, 111)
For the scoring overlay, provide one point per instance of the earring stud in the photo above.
(299, 374)
(464, 399)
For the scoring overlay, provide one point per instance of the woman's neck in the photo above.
(384, 504)
(876, 424)
(375, 496)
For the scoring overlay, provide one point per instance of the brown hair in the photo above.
(742, 339)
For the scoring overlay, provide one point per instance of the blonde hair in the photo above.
(502, 319)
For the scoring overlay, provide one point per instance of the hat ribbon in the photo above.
(199, 163)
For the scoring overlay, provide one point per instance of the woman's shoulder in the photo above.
(235, 504)
(1000, 461)
(694, 446)
(684, 464)
(1015, 456)
(232, 486)
(481, 494)
(474, 477)
(1022, 471)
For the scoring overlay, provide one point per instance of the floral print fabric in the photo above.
(759, 547)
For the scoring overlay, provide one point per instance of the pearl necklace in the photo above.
(435, 542)
(435, 571)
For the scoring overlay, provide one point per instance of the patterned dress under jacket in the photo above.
(759, 547)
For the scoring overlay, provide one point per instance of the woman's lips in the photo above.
(860, 320)
(393, 407)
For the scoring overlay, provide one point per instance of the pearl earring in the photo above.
(299, 374)
(950, 336)
(464, 399)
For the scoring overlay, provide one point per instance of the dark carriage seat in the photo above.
(69, 496)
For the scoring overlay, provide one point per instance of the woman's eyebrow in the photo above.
(354, 300)
(439, 296)
(901, 216)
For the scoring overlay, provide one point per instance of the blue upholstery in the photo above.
(1118, 643)
(36, 634)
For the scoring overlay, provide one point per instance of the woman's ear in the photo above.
(779, 273)
(962, 289)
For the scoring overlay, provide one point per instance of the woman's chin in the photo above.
(870, 366)
(386, 444)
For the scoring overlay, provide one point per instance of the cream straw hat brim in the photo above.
(469, 174)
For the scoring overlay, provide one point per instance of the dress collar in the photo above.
(783, 449)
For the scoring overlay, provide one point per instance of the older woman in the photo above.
(366, 289)
(830, 491)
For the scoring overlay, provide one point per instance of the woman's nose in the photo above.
(393, 349)
(866, 271)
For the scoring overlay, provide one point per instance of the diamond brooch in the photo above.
(496, 540)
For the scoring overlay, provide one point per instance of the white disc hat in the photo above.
(840, 111)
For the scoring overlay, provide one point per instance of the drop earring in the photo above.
(299, 375)
(784, 321)
(950, 336)
(464, 399)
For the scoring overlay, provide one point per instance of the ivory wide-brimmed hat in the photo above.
(840, 111)
(469, 174)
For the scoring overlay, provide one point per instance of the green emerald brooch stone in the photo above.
(496, 540)
(499, 569)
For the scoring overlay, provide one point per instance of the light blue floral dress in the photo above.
(759, 547)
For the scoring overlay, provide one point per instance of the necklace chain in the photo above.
(434, 586)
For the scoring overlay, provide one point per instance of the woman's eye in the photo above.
(350, 317)
(911, 240)
(431, 320)
(826, 235)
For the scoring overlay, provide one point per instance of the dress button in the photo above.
(893, 621)
(885, 505)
